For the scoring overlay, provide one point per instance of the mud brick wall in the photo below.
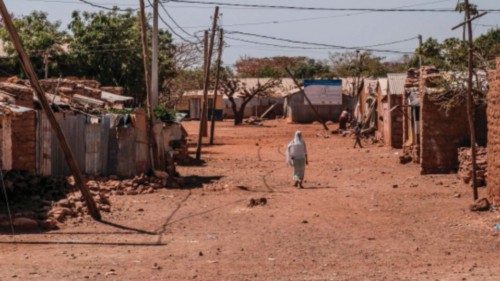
(24, 141)
(396, 121)
(493, 149)
(441, 136)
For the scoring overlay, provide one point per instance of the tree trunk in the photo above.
(238, 117)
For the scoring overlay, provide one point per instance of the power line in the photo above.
(436, 10)
(175, 22)
(318, 44)
(317, 48)
(172, 30)
(319, 18)
(95, 5)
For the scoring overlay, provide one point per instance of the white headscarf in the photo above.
(296, 148)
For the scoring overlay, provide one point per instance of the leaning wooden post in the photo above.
(206, 83)
(320, 119)
(216, 87)
(28, 68)
(153, 151)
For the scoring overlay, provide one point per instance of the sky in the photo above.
(343, 28)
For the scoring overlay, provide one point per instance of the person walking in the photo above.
(296, 156)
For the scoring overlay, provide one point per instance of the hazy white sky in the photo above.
(339, 28)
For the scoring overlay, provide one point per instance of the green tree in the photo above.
(106, 46)
(40, 37)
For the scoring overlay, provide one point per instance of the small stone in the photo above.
(305, 221)
(200, 254)
(395, 186)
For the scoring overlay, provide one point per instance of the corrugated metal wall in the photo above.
(99, 148)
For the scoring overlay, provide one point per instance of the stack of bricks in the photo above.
(68, 88)
(494, 136)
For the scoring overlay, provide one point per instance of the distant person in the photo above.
(296, 156)
(344, 119)
(357, 133)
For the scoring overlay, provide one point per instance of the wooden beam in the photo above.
(30, 72)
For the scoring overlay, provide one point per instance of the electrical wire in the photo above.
(95, 5)
(172, 30)
(175, 22)
(317, 44)
(435, 10)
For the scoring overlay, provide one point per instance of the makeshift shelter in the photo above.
(327, 98)
(389, 107)
(439, 132)
(191, 104)
(102, 143)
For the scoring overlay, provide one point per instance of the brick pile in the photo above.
(68, 88)
(494, 136)
(465, 167)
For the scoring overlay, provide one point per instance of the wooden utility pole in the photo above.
(217, 80)
(153, 152)
(203, 121)
(154, 57)
(470, 102)
(470, 98)
(320, 119)
(30, 72)
(206, 84)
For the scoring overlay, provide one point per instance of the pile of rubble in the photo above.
(43, 202)
(142, 184)
(465, 165)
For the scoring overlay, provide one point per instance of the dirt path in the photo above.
(362, 216)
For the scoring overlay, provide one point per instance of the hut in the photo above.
(389, 107)
(191, 104)
(326, 96)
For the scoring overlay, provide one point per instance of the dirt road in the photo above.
(362, 216)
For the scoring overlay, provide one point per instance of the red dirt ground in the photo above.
(362, 216)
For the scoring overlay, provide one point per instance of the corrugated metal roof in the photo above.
(110, 97)
(396, 83)
(13, 108)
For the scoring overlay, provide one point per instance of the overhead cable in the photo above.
(318, 44)
(435, 10)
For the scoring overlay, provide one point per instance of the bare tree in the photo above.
(233, 88)
(186, 75)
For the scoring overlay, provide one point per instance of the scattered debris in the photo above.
(481, 205)
(253, 120)
(257, 202)
(305, 221)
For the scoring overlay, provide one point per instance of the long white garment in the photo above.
(296, 149)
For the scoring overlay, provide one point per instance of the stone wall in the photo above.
(494, 136)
